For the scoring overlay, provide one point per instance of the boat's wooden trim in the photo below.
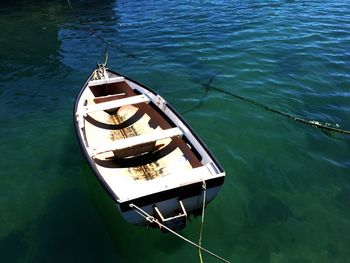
(136, 141)
(113, 104)
(105, 81)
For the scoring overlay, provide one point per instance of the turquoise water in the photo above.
(286, 197)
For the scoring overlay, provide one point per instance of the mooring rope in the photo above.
(206, 91)
(295, 118)
(119, 47)
(91, 31)
(204, 187)
(151, 219)
(106, 57)
(70, 5)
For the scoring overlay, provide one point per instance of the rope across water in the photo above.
(151, 219)
(208, 86)
(295, 118)
(103, 40)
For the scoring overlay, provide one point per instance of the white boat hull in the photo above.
(142, 151)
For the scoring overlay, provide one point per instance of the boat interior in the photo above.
(128, 121)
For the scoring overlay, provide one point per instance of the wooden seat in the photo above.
(136, 145)
(113, 104)
(136, 150)
(105, 81)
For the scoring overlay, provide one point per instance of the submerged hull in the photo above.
(142, 151)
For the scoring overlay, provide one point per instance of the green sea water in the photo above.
(286, 197)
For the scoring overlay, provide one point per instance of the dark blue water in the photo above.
(286, 197)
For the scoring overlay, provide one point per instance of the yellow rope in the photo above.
(204, 187)
(151, 219)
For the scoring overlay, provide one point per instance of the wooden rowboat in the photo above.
(142, 151)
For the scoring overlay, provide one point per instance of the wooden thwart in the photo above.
(137, 142)
(105, 81)
(113, 104)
